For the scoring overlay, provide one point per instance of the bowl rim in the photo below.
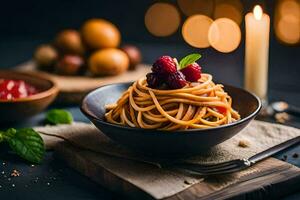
(40, 95)
(86, 113)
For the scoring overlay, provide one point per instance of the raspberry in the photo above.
(192, 72)
(164, 65)
(153, 80)
(176, 80)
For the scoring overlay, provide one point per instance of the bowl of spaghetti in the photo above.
(169, 121)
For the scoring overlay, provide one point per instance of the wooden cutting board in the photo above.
(269, 179)
(74, 88)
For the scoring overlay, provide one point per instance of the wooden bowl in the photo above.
(166, 143)
(23, 108)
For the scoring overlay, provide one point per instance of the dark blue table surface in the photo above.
(53, 179)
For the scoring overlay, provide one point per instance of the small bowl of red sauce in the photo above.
(23, 95)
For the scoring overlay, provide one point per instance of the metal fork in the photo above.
(235, 165)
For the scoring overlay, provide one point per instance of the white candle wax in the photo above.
(257, 52)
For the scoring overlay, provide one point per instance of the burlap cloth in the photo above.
(259, 135)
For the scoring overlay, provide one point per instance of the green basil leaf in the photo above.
(10, 132)
(59, 116)
(1, 136)
(28, 144)
(189, 59)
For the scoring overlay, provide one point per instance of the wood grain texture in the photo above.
(73, 88)
(262, 181)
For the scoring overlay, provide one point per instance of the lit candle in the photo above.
(257, 52)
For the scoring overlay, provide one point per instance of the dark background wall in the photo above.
(42, 19)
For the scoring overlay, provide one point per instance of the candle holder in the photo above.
(257, 55)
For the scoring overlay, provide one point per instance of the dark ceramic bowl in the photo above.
(23, 108)
(163, 143)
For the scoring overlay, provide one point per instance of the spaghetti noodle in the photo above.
(202, 104)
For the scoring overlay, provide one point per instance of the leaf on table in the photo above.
(59, 116)
(10, 132)
(28, 144)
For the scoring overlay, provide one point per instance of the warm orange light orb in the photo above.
(224, 35)
(291, 7)
(193, 7)
(287, 21)
(162, 19)
(288, 29)
(195, 30)
(232, 9)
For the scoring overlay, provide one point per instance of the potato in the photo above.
(99, 33)
(109, 61)
(45, 56)
(69, 65)
(69, 42)
(133, 54)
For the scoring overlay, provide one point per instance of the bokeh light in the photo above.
(162, 19)
(288, 29)
(232, 9)
(195, 30)
(290, 7)
(287, 21)
(193, 7)
(224, 35)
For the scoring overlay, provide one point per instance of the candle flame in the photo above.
(257, 12)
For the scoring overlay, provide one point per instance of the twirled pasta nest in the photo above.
(197, 105)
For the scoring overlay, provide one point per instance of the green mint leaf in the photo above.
(1, 136)
(9, 133)
(28, 144)
(59, 116)
(189, 59)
